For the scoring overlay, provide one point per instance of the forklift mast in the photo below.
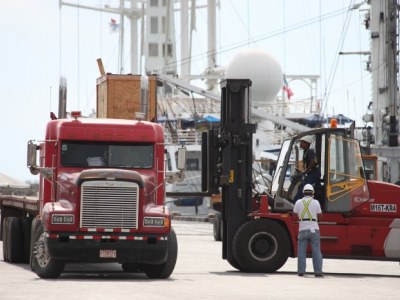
(229, 161)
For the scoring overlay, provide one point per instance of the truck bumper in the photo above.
(152, 250)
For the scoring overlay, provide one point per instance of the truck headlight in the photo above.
(154, 221)
(62, 219)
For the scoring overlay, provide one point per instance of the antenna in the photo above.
(50, 100)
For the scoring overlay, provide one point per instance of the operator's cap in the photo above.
(308, 139)
(308, 188)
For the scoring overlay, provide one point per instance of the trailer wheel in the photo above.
(42, 263)
(26, 224)
(164, 270)
(5, 240)
(261, 246)
(217, 227)
(14, 239)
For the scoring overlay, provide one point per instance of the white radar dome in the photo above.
(262, 69)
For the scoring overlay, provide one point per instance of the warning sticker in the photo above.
(383, 207)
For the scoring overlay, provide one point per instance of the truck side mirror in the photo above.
(181, 158)
(32, 158)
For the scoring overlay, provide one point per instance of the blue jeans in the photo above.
(305, 237)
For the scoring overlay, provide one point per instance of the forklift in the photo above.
(259, 230)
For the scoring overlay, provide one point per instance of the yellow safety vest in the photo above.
(306, 210)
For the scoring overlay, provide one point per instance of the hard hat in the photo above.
(308, 188)
(308, 139)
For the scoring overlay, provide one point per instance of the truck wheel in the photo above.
(130, 267)
(35, 224)
(164, 270)
(217, 227)
(42, 264)
(261, 246)
(5, 240)
(14, 239)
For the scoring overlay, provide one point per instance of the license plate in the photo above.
(105, 253)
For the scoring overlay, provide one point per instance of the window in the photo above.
(192, 164)
(153, 49)
(115, 155)
(168, 161)
(163, 24)
(154, 25)
(153, 3)
(167, 50)
(347, 187)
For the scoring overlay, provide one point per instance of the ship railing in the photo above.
(183, 137)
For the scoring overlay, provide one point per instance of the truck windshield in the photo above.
(111, 155)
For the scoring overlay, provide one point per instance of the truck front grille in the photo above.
(109, 204)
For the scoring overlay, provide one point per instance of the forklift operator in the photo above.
(311, 170)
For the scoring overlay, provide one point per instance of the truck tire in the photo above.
(42, 263)
(5, 240)
(164, 270)
(217, 227)
(14, 239)
(34, 226)
(26, 224)
(261, 246)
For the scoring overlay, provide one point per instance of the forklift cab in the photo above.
(342, 185)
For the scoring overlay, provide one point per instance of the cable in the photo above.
(262, 37)
(332, 74)
(78, 40)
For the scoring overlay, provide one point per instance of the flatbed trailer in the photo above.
(23, 204)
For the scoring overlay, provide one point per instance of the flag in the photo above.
(286, 87)
(114, 26)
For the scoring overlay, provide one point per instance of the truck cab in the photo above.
(102, 197)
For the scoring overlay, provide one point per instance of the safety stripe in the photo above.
(306, 210)
(109, 237)
(106, 230)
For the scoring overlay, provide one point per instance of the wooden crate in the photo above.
(119, 96)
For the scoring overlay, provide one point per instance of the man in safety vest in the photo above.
(308, 209)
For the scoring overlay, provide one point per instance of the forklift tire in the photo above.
(42, 263)
(261, 246)
(14, 239)
(234, 264)
(164, 270)
(217, 227)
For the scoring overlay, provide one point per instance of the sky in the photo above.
(41, 42)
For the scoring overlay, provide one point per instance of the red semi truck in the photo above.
(101, 199)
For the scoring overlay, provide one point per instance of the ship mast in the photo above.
(133, 13)
(384, 66)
